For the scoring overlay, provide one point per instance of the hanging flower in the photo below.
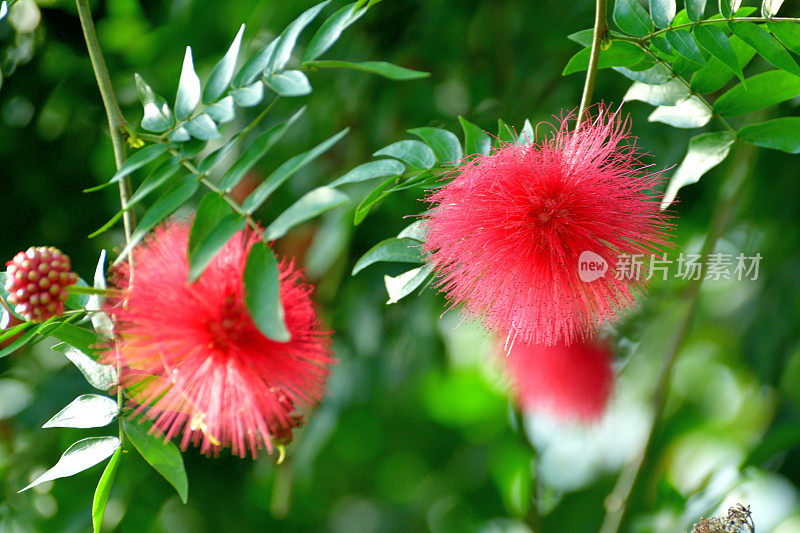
(529, 237)
(193, 360)
(573, 382)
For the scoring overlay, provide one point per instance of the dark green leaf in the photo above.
(157, 115)
(309, 205)
(262, 293)
(164, 457)
(374, 169)
(728, 7)
(445, 145)
(289, 83)
(202, 254)
(135, 162)
(476, 141)
(211, 209)
(583, 37)
(618, 54)
(254, 67)
(188, 88)
(249, 95)
(631, 17)
(695, 9)
(683, 43)
(85, 411)
(787, 32)
(380, 192)
(222, 74)
(390, 250)
(778, 134)
(715, 74)
(80, 456)
(101, 377)
(415, 153)
(286, 170)
(158, 177)
(706, 151)
(762, 90)
(330, 31)
(202, 127)
(103, 490)
(715, 42)
(766, 45)
(381, 68)
(288, 38)
(213, 159)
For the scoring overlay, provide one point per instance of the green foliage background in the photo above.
(417, 432)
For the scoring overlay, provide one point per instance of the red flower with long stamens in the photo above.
(506, 235)
(193, 360)
(573, 382)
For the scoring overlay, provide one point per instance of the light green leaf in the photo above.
(769, 8)
(76, 336)
(762, 90)
(254, 67)
(188, 88)
(202, 127)
(618, 54)
(695, 9)
(309, 205)
(103, 490)
(392, 250)
(179, 135)
(262, 293)
(101, 377)
(249, 95)
(202, 254)
(289, 83)
(286, 170)
(662, 12)
(288, 39)
(683, 43)
(86, 411)
(401, 286)
(766, 45)
(706, 151)
(715, 74)
(714, 41)
(374, 169)
(416, 230)
(3, 9)
(157, 115)
(778, 134)
(691, 113)
(163, 456)
(100, 320)
(257, 150)
(135, 162)
(476, 141)
(631, 17)
(415, 153)
(670, 93)
(80, 456)
(787, 32)
(526, 135)
(223, 111)
(222, 74)
(656, 75)
(330, 31)
(445, 145)
(381, 68)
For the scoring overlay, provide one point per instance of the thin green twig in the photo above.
(598, 34)
(649, 36)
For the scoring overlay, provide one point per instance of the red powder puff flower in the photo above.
(194, 361)
(507, 233)
(573, 382)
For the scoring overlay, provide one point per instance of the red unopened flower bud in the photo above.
(35, 282)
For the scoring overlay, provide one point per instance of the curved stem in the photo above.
(598, 34)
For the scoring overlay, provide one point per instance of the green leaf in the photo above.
(715, 74)
(161, 209)
(787, 32)
(80, 456)
(135, 162)
(3, 9)
(476, 141)
(157, 115)
(690, 113)
(310, 205)
(762, 90)
(286, 170)
(254, 67)
(249, 95)
(24, 339)
(160, 175)
(374, 169)
(415, 153)
(86, 411)
(262, 293)
(583, 37)
(416, 230)
(706, 151)
(289, 83)
(380, 192)
(76, 336)
(662, 12)
(695, 9)
(714, 41)
(211, 209)
(683, 43)
(288, 39)
(527, 134)
(392, 250)
(222, 74)
(766, 45)
(381, 68)
(778, 134)
(188, 88)
(202, 127)
(163, 456)
(656, 75)
(631, 17)
(256, 151)
(670, 93)
(445, 145)
(330, 31)
(398, 287)
(215, 157)
(223, 111)
(618, 54)
(728, 7)
(103, 490)
(101, 377)
(211, 243)
(100, 321)
(769, 8)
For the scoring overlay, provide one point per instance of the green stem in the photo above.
(76, 289)
(598, 34)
